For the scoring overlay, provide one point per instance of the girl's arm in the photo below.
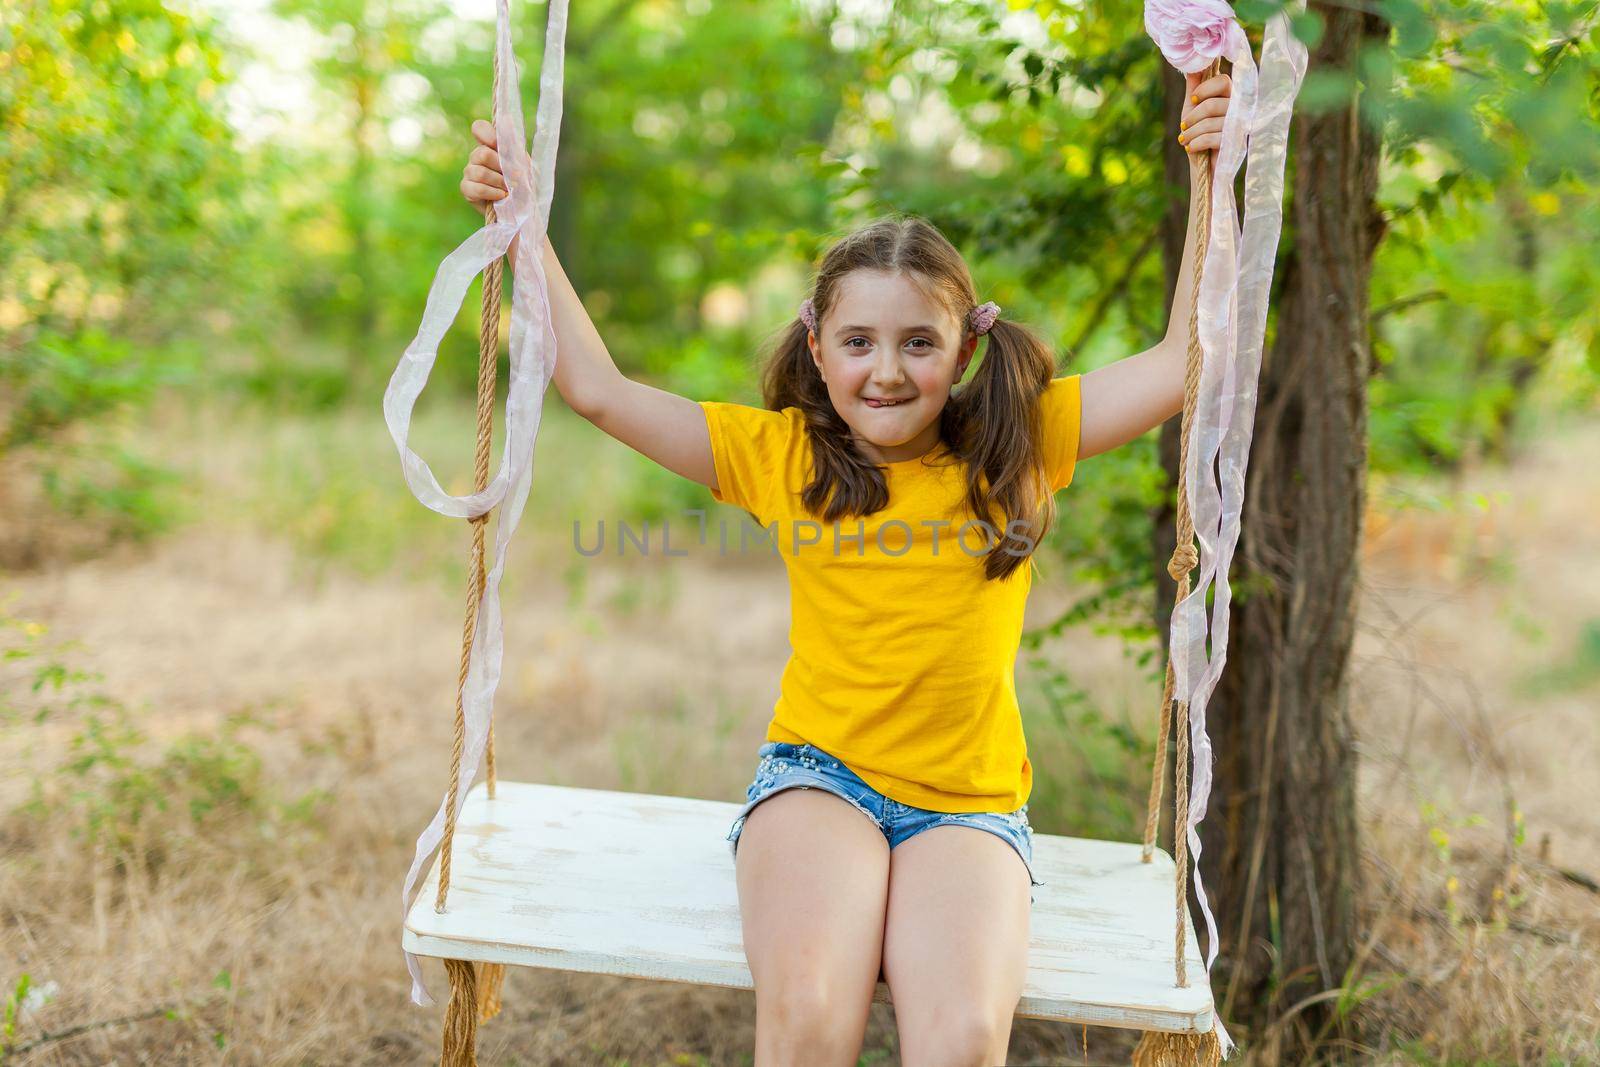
(1125, 399)
(667, 428)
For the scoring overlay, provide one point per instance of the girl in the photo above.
(906, 510)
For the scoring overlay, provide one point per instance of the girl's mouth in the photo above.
(871, 403)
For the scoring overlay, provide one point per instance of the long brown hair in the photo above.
(991, 423)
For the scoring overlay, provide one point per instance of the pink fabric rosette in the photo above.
(1193, 33)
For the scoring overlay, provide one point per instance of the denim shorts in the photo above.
(788, 766)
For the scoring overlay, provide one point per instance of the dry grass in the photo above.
(1476, 687)
(264, 929)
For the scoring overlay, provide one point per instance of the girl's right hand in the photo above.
(482, 182)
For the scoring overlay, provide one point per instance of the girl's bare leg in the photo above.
(955, 948)
(813, 876)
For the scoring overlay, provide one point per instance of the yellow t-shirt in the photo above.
(903, 659)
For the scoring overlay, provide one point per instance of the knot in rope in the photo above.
(1184, 559)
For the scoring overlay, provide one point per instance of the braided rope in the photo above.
(488, 352)
(458, 1041)
(1184, 559)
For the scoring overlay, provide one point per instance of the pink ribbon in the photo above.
(1232, 324)
(525, 211)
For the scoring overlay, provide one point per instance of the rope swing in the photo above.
(1227, 319)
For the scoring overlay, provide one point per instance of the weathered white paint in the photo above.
(643, 886)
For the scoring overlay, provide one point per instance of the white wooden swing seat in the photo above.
(643, 886)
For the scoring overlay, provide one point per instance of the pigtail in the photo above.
(996, 421)
(843, 482)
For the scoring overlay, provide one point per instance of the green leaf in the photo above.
(1308, 27)
(1326, 90)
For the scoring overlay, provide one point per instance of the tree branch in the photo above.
(1112, 292)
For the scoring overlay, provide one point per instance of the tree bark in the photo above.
(566, 207)
(1280, 859)
(364, 85)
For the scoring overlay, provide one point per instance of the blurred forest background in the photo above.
(226, 626)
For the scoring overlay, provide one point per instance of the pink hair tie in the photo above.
(983, 316)
(808, 314)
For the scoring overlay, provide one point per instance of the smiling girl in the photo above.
(924, 492)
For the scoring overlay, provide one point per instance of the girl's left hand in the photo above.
(1204, 104)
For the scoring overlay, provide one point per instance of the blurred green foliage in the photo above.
(120, 177)
(708, 152)
(117, 186)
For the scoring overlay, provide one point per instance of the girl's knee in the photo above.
(808, 1024)
(964, 1036)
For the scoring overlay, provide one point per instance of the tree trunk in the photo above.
(566, 210)
(1280, 860)
(364, 85)
(566, 206)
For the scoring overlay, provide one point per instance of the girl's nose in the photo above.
(886, 370)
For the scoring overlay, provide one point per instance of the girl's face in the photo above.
(890, 357)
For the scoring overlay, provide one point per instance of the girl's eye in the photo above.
(922, 340)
